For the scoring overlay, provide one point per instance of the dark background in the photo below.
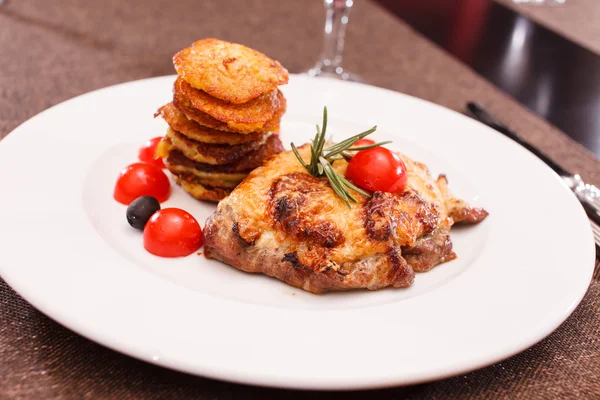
(554, 77)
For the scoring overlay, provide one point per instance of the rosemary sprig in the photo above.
(321, 159)
(370, 146)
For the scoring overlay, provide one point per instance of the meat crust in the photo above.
(287, 224)
(228, 71)
(372, 272)
(458, 209)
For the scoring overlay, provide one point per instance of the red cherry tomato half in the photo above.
(141, 179)
(172, 232)
(363, 142)
(147, 153)
(377, 169)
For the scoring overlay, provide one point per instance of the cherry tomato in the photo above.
(147, 153)
(172, 232)
(363, 142)
(141, 179)
(377, 169)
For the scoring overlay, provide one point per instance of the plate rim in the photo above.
(20, 286)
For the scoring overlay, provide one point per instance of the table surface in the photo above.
(577, 20)
(52, 51)
(515, 47)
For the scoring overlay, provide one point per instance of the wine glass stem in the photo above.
(336, 19)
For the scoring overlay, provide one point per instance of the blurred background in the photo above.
(545, 56)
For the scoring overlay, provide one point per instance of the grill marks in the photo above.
(296, 209)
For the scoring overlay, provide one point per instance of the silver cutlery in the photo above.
(596, 232)
(588, 195)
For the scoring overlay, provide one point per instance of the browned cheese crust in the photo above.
(287, 224)
(229, 71)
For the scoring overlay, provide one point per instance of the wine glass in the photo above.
(330, 62)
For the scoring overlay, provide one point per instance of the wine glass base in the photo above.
(338, 73)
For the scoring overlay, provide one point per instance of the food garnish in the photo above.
(141, 179)
(140, 210)
(322, 158)
(377, 169)
(172, 232)
(147, 153)
(363, 142)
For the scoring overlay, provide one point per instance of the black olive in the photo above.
(140, 210)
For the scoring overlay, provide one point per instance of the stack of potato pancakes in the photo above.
(224, 118)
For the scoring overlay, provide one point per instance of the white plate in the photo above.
(67, 249)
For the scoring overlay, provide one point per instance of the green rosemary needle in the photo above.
(321, 159)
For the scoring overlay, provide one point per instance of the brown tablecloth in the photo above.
(53, 50)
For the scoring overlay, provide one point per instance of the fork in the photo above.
(588, 195)
(596, 232)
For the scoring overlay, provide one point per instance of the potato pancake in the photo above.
(215, 154)
(199, 191)
(185, 106)
(179, 122)
(246, 164)
(253, 114)
(216, 179)
(229, 71)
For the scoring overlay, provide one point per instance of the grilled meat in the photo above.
(285, 223)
